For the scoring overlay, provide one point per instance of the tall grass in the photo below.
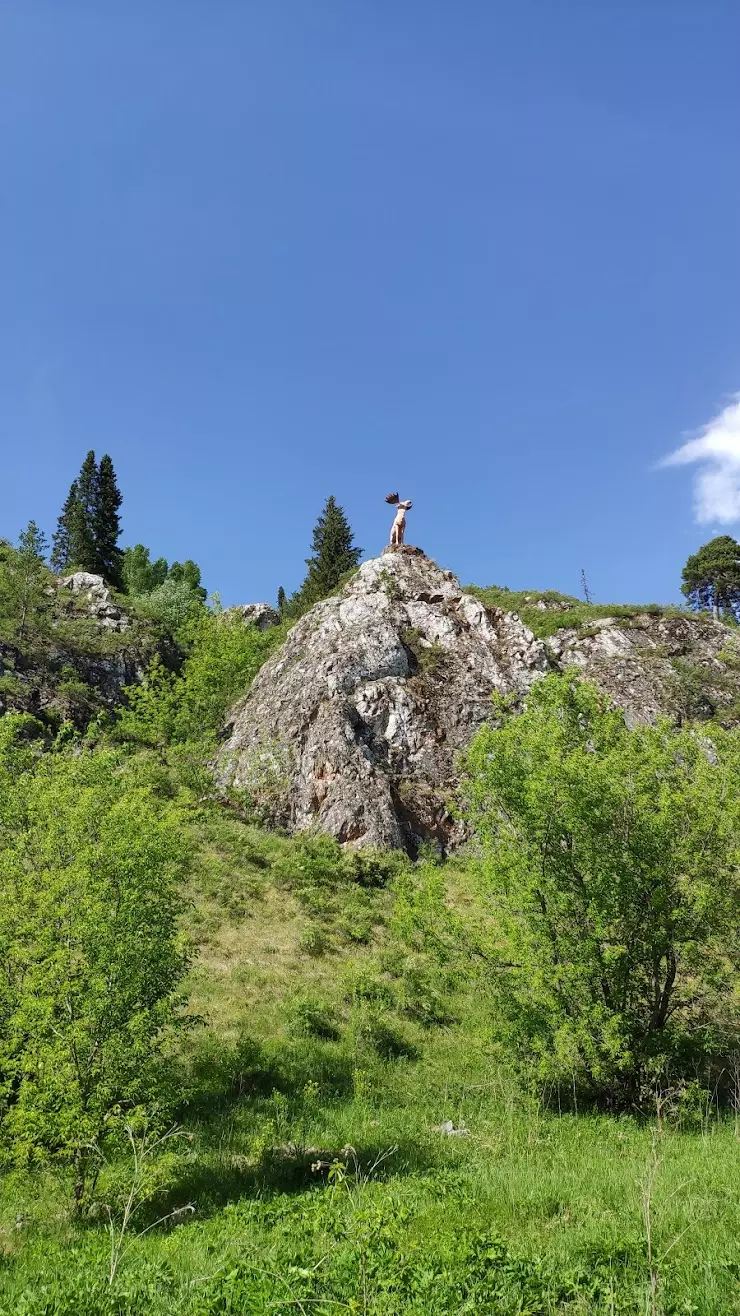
(342, 1026)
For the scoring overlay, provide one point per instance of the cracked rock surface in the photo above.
(358, 719)
(354, 726)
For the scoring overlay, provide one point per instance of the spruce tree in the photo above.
(82, 551)
(74, 539)
(60, 552)
(281, 601)
(105, 521)
(30, 579)
(89, 526)
(334, 554)
(711, 577)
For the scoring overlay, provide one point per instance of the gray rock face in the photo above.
(355, 724)
(260, 615)
(97, 598)
(85, 661)
(651, 664)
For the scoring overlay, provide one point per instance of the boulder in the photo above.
(354, 727)
(355, 724)
(94, 593)
(260, 615)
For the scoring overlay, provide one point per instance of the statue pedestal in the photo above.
(408, 549)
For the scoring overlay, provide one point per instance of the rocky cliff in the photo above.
(88, 652)
(355, 725)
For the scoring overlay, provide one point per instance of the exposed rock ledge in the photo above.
(354, 725)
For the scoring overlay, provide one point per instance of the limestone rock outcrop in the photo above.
(650, 664)
(96, 596)
(261, 615)
(355, 724)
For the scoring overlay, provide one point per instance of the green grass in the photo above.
(344, 1005)
(576, 615)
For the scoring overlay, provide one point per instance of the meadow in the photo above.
(350, 1136)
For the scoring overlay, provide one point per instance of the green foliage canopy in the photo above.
(611, 857)
(24, 580)
(90, 859)
(711, 577)
(140, 575)
(89, 525)
(223, 657)
(333, 555)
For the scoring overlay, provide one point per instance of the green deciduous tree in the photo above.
(188, 573)
(611, 856)
(170, 604)
(141, 575)
(90, 860)
(334, 554)
(711, 577)
(223, 657)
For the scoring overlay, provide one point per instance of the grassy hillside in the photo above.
(563, 610)
(344, 1016)
(348, 1133)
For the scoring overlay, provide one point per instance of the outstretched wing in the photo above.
(391, 498)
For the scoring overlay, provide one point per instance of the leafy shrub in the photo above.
(378, 1031)
(10, 685)
(365, 985)
(425, 989)
(92, 960)
(223, 657)
(169, 605)
(312, 1017)
(611, 859)
(313, 941)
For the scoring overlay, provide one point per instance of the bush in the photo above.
(611, 859)
(223, 658)
(312, 1017)
(378, 1032)
(92, 963)
(169, 605)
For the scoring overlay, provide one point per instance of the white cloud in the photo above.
(716, 450)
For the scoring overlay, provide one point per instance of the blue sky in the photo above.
(485, 253)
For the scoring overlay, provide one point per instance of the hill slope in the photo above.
(354, 726)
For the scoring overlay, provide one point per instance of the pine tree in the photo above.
(711, 577)
(60, 553)
(82, 522)
(281, 601)
(105, 521)
(334, 554)
(89, 526)
(23, 583)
